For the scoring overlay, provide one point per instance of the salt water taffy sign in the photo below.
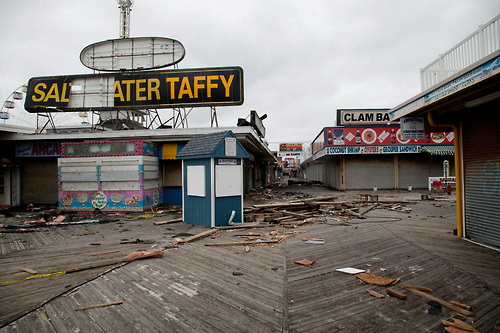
(137, 90)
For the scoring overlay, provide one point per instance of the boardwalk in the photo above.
(202, 288)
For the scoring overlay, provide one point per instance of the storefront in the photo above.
(349, 158)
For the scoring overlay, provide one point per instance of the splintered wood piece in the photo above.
(373, 279)
(245, 243)
(199, 236)
(304, 262)
(458, 326)
(98, 306)
(29, 270)
(462, 305)
(167, 222)
(442, 302)
(305, 239)
(395, 293)
(375, 294)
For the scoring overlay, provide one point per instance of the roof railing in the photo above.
(478, 45)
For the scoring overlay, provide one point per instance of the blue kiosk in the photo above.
(212, 179)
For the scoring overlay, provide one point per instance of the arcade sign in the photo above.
(220, 86)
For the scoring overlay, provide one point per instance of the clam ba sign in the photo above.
(346, 136)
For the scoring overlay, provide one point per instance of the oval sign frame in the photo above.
(128, 54)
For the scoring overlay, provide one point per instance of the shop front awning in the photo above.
(438, 150)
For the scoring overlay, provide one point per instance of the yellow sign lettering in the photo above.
(211, 85)
(53, 93)
(227, 84)
(172, 81)
(198, 85)
(139, 89)
(118, 91)
(185, 88)
(39, 91)
(153, 88)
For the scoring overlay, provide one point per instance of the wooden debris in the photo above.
(99, 306)
(246, 243)
(312, 239)
(460, 325)
(143, 254)
(350, 212)
(169, 221)
(29, 270)
(442, 302)
(395, 293)
(373, 279)
(304, 262)
(462, 305)
(375, 294)
(101, 253)
(198, 236)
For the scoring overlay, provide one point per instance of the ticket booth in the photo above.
(212, 184)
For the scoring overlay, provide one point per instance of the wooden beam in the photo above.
(245, 243)
(167, 222)
(198, 236)
(442, 302)
(98, 306)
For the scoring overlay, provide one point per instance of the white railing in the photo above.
(481, 43)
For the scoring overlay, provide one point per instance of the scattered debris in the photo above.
(459, 325)
(375, 294)
(304, 262)
(350, 270)
(144, 254)
(198, 236)
(435, 308)
(99, 306)
(373, 279)
(462, 305)
(169, 221)
(442, 302)
(29, 270)
(395, 293)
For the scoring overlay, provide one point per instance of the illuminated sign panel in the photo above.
(137, 90)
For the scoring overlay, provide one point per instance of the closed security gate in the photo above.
(367, 172)
(481, 155)
(39, 181)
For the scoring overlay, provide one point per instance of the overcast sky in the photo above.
(302, 60)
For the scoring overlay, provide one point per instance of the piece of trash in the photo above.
(350, 270)
(144, 254)
(98, 306)
(304, 262)
(373, 279)
(237, 273)
(247, 249)
(435, 308)
(375, 294)
(395, 293)
(315, 242)
(383, 269)
(28, 270)
(60, 218)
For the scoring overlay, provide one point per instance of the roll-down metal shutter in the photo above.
(481, 156)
